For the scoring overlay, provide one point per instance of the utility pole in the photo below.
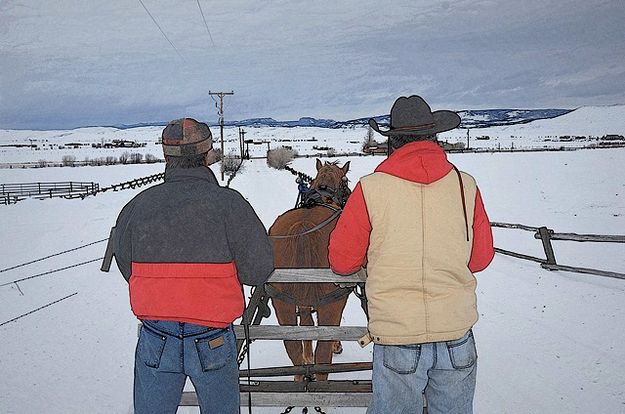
(220, 113)
(468, 139)
(242, 140)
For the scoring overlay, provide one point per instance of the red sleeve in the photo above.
(482, 251)
(349, 240)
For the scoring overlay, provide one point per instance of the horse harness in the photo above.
(335, 295)
(315, 198)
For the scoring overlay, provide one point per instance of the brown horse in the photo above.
(300, 240)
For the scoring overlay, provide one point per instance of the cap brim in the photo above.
(443, 121)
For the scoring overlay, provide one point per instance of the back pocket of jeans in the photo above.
(462, 352)
(214, 352)
(150, 347)
(402, 359)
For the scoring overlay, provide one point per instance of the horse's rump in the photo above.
(308, 250)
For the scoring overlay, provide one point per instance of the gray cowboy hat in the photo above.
(413, 116)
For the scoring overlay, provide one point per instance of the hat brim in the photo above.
(194, 148)
(443, 121)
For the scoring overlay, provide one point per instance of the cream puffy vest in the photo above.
(419, 286)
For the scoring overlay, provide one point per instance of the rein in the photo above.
(315, 197)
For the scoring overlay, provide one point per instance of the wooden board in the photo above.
(313, 333)
(314, 276)
(298, 399)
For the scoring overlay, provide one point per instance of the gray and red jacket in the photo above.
(186, 246)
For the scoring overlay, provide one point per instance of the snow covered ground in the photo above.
(548, 342)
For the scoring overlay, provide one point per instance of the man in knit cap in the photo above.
(185, 247)
(420, 228)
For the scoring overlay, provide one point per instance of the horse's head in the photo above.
(331, 182)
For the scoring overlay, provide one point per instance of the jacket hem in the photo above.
(418, 339)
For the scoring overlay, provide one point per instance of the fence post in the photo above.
(545, 237)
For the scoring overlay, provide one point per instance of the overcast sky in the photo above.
(71, 63)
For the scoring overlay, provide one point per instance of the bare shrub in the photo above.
(42, 163)
(280, 157)
(230, 163)
(68, 160)
(331, 152)
(218, 154)
(369, 140)
(123, 159)
(110, 160)
(136, 157)
(150, 158)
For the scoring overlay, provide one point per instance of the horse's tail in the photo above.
(304, 248)
(305, 315)
(305, 319)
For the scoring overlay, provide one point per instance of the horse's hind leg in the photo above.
(286, 314)
(328, 315)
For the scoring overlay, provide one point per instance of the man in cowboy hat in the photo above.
(420, 228)
(185, 247)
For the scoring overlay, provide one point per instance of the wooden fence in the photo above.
(546, 235)
(69, 190)
(12, 193)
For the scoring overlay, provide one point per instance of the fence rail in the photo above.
(69, 189)
(546, 235)
(19, 191)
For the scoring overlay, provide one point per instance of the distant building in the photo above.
(120, 143)
(452, 145)
(613, 137)
(376, 148)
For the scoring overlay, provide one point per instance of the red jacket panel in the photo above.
(207, 294)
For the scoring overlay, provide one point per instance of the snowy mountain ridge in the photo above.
(473, 118)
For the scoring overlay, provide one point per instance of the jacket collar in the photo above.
(184, 174)
(420, 161)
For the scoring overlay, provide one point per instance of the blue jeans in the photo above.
(169, 352)
(444, 371)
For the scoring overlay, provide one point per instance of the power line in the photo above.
(162, 32)
(205, 24)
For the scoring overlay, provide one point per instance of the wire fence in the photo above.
(546, 235)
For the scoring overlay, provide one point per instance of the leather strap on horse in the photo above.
(315, 196)
(334, 216)
(331, 297)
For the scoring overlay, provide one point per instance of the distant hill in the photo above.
(473, 118)
(483, 118)
(586, 120)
